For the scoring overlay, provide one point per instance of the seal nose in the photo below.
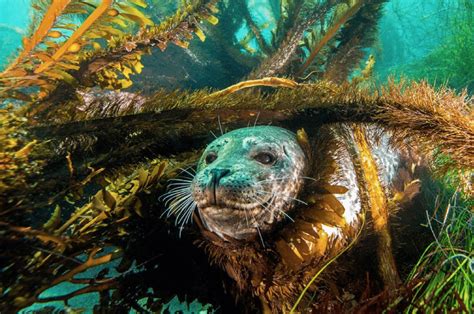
(216, 175)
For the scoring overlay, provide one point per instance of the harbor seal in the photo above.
(247, 180)
(272, 208)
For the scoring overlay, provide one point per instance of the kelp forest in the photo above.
(103, 102)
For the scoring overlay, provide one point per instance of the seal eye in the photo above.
(211, 157)
(265, 158)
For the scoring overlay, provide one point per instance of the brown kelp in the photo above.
(81, 170)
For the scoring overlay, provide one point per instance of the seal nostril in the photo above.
(218, 173)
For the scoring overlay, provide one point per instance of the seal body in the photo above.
(304, 201)
(247, 180)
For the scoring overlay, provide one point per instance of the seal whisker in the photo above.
(220, 125)
(179, 199)
(181, 217)
(180, 209)
(287, 177)
(286, 196)
(256, 119)
(185, 170)
(259, 233)
(278, 209)
(189, 216)
(246, 217)
(169, 196)
(257, 226)
(179, 184)
(175, 202)
(180, 180)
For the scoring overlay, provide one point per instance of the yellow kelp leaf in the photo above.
(70, 165)
(138, 66)
(142, 177)
(288, 256)
(131, 11)
(199, 33)
(138, 207)
(55, 34)
(157, 171)
(140, 3)
(69, 26)
(212, 19)
(61, 75)
(124, 83)
(16, 73)
(43, 57)
(126, 71)
(307, 227)
(325, 217)
(25, 151)
(212, 8)
(328, 201)
(120, 21)
(135, 18)
(67, 66)
(112, 12)
(340, 10)
(111, 30)
(98, 202)
(302, 248)
(182, 44)
(110, 198)
(54, 221)
(74, 47)
(96, 45)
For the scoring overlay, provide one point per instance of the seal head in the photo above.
(247, 180)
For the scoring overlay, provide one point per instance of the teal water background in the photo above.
(419, 39)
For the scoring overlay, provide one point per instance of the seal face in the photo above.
(247, 180)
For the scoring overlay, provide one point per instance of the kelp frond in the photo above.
(55, 9)
(15, 160)
(343, 13)
(79, 58)
(117, 201)
(280, 60)
(57, 41)
(178, 29)
(438, 120)
(357, 33)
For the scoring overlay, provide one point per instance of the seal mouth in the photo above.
(237, 223)
(215, 201)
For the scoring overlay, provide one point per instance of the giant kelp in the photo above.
(81, 169)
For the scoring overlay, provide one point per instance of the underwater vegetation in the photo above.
(108, 100)
(450, 62)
